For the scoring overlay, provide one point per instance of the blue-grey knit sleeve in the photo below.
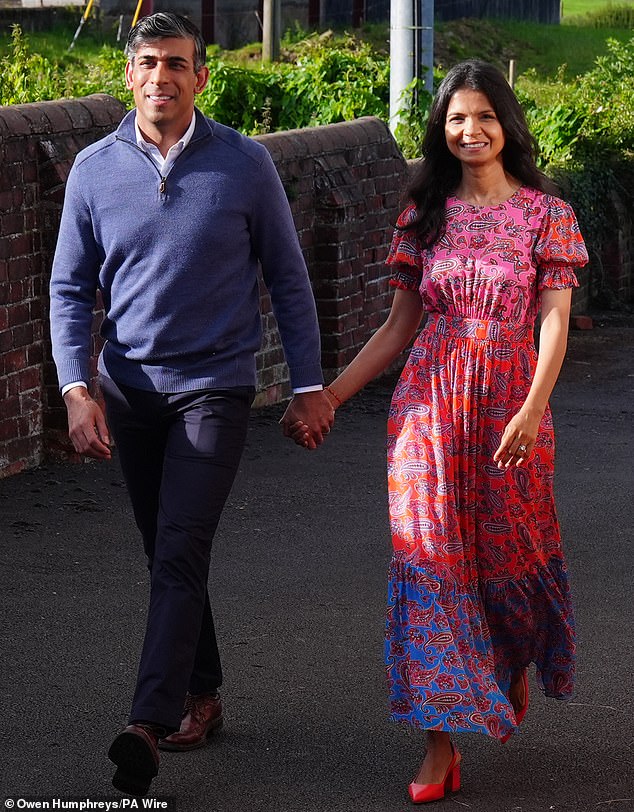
(286, 276)
(73, 287)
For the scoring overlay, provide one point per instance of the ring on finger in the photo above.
(522, 449)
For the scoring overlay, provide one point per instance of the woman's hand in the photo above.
(519, 438)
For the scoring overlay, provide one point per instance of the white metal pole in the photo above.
(401, 54)
(512, 73)
(271, 23)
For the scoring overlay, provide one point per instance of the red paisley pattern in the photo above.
(478, 586)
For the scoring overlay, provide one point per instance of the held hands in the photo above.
(519, 438)
(308, 419)
(87, 426)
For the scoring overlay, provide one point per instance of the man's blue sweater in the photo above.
(176, 261)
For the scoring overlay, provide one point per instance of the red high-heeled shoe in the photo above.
(423, 793)
(521, 713)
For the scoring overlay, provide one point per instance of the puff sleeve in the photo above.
(559, 248)
(405, 254)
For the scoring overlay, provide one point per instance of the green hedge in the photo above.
(584, 126)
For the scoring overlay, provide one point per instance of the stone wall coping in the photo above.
(38, 118)
(311, 140)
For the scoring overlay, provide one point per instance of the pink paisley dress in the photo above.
(478, 586)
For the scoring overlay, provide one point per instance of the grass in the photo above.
(54, 44)
(547, 47)
(571, 8)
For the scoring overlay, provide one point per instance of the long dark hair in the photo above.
(439, 172)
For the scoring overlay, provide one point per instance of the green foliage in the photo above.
(593, 114)
(589, 186)
(334, 81)
(609, 16)
(556, 132)
(237, 96)
(605, 93)
(585, 130)
(584, 123)
(26, 77)
(30, 77)
(325, 82)
(104, 74)
(410, 130)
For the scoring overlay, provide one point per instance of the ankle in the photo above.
(439, 742)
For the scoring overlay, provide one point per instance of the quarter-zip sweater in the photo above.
(176, 261)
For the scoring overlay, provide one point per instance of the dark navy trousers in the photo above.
(179, 454)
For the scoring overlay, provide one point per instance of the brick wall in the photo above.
(617, 259)
(38, 143)
(344, 183)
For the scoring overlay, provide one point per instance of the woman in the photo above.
(478, 588)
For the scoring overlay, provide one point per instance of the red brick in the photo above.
(10, 407)
(13, 384)
(24, 427)
(16, 123)
(18, 314)
(6, 201)
(59, 118)
(17, 290)
(18, 198)
(13, 361)
(8, 429)
(22, 335)
(34, 354)
(35, 309)
(80, 117)
(35, 114)
(12, 224)
(26, 449)
(15, 150)
(20, 267)
(6, 341)
(13, 469)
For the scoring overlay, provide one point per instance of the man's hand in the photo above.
(87, 427)
(314, 411)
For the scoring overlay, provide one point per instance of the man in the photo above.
(169, 217)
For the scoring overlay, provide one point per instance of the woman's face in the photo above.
(472, 130)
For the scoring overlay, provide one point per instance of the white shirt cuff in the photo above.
(74, 385)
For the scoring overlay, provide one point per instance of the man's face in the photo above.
(164, 84)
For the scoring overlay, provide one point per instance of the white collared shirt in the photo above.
(164, 164)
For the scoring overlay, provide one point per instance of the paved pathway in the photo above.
(299, 577)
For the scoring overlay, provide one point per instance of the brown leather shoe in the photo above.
(201, 717)
(135, 752)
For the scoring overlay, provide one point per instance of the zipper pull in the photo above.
(163, 186)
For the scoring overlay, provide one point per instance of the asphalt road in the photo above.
(299, 584)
